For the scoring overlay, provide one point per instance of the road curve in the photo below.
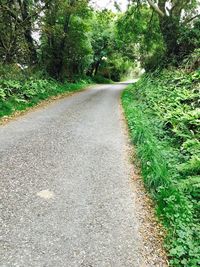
(66, 197)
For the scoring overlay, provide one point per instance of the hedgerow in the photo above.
(163, 115)
(21, 94)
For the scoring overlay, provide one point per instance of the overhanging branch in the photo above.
(156, 8)
(191, 19)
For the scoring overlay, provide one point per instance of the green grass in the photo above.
(16, 95)
(168, 155)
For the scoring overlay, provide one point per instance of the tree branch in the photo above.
(36, 14)
(189, 20)
(28, 17)
(11, 13)
(2, 43)
(156, 8)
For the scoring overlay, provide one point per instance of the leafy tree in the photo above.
(172, 16)
(102, 38)
(66, 48)
(139, 35)
(110, 54)
(157, 30)
(16, 23)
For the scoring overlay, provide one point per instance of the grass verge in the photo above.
(165, 166)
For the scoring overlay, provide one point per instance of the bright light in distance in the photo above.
(109, 4)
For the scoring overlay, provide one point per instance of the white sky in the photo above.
(110, 4)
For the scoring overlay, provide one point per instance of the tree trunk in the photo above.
(31, 46)
(169, 23)
(97, 67)
(169, 29)
(28, 31)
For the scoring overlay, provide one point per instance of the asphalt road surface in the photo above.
(65, 186)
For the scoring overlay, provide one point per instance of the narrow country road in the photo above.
(66, 197)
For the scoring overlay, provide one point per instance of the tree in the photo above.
(172, 16)
(17, 18)
(156, 31)
(109, 53)
(102, 38)
(66, 48)
(139, 36)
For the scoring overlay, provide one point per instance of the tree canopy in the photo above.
(69, 38)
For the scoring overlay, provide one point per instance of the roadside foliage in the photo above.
(163, 113)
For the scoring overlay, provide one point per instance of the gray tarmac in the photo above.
(65, 185)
